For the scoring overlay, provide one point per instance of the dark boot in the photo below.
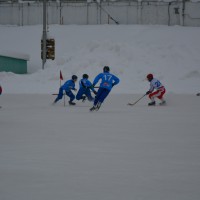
(163, 103)
(83, 98)
(153, 103)
(93, 108)
(98, 106)
(72, 103)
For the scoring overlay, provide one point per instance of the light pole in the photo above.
(44, 36)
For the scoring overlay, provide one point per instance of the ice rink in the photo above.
(118, 153)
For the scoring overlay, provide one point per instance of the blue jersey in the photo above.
(68, 85)
(107, 80)
(85, 83)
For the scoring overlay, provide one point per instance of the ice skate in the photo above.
(162, 103)
(98, 106)
(93, 108)
(153, 103)
(72, 103)
(83, 98)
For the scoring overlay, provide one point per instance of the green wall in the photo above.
(14, 65)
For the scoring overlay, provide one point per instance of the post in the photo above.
(44, 36)
(182, 12)
(139, 13)
(61, 13)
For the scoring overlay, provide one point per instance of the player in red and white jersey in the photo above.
(156, 90)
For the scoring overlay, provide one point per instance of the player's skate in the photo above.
(162, 103)
(153, 103)
(83, 98)
(72, 103)
(98, 106)
(93, 108)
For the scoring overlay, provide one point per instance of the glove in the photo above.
(95, 92)
(148, 92)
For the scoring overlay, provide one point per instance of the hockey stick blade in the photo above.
(132, 104)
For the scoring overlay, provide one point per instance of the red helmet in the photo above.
(150, 76)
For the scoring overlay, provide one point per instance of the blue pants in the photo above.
(68, 93)
(86, 92)
(101, 95)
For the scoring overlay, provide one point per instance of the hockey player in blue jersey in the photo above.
(84, 90)
(108, 80)
(67, 87)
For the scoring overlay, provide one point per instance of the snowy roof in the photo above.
(13, 54)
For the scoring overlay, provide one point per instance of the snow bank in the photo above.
(131, 51)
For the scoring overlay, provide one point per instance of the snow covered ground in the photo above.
(120, 152)
(131, 51)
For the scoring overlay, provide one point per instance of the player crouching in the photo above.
(159, 92)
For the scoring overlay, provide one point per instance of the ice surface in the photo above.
(120, 152)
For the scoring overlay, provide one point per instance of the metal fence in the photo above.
(184, 13)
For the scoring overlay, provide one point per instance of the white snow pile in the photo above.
(131, 51)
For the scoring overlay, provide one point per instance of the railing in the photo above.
(184, 13)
